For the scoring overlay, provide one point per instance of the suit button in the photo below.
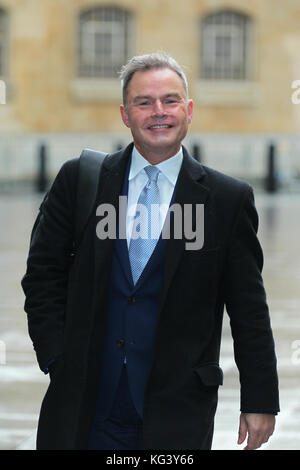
(131, 299)
(120, 343)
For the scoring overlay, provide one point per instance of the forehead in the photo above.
(155, 82)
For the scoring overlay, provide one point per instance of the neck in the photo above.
(158, 155)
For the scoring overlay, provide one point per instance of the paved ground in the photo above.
(22, 385)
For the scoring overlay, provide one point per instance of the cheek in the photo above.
(136, 120)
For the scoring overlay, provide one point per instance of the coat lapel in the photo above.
(189, 190)
(110, 188)
(121, 247)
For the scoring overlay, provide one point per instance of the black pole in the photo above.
(119, 146)
(197, 152)
(42, 181)
(271, 185)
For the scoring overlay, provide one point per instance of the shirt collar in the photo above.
(170, 167)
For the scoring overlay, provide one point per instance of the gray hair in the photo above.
(156, 60)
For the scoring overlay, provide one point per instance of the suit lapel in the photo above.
(189, 190)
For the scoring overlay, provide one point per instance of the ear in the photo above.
(190, 111)
(124, 115)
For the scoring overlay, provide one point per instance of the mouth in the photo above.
(156, 127)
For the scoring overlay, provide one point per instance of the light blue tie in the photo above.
(143, 241)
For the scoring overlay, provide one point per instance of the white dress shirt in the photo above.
(137, 179)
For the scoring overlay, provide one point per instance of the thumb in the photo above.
(243, 429)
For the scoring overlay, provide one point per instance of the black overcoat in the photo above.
(66, 297)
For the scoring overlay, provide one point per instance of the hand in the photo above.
(259, 428)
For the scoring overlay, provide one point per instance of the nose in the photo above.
(158, 108)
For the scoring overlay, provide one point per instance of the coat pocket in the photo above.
(209, 374)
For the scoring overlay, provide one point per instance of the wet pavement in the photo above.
(22, 385)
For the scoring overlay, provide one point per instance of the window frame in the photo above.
(245, 92)
(4, 45)
(217, 26)
(121, 48)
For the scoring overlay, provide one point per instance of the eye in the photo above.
(143, 103)
(172, 101)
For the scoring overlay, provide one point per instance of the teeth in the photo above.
(159, 127)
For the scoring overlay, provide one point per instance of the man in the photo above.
(131, 331)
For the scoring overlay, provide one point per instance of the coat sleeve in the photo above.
(247, 308)
(46, 278)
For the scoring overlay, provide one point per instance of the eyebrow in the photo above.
(168, 95)
(141, 97)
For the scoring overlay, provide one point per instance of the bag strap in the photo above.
(90, 163)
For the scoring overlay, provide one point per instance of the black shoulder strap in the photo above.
(90, 163)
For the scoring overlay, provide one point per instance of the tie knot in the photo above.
(152, 172)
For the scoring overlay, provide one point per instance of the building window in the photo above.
(3, 43)
(104, 41)
(226, 46)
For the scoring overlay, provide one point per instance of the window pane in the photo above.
(225, 44)
(104, 41)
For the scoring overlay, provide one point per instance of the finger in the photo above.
(243, 429)
(255, 441)
(259, 439)
(252, 444)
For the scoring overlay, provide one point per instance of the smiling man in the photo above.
(158, 112)
(131, 331)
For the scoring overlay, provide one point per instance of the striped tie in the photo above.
(143, 241)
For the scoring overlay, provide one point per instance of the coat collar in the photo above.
(116, 162)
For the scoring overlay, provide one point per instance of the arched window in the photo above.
(104, 41)
(226, 46)
(3, 43)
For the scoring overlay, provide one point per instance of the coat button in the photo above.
(120, 343)
(131, 299)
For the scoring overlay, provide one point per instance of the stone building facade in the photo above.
(59, 61)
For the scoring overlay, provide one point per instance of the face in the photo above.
(157, 112)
